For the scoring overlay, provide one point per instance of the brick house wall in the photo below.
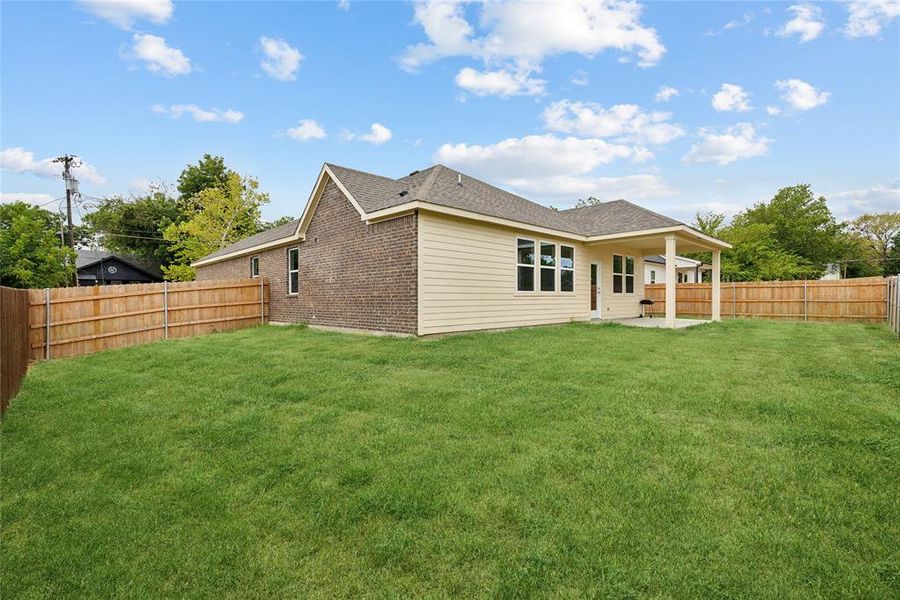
(352, 274)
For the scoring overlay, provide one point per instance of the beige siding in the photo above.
(467, 280)
(618, 306)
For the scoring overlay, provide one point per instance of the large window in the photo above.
(548, 267)
(525, 265)
(293, 267)
(623, 274)
(254, 266)
(566, 269)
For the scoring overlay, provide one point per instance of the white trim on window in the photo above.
(622, 275)
(563, 269)
(293, 277)
(254, 267)
(553, 268)
(526, 265)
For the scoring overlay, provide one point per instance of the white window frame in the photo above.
(292, 271)
(254, 262)
(535, 284)
(624, 274)
(652, 275)
(570, 269)
(541, 268)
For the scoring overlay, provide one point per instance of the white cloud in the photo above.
(731, 97)
(307, 129)
(734, 143)
(773, 111)
(158, 56)
(868, 17)
(532, 156)
(621, 122)
(19, 160)
(807, 22)
(282, 60)
(800, 95)
(378, 134)
(499, 83)
(201, 115)
(26, 197)
(745, 19)
(552, 167)
(580, 78)
(519, 36)
(878, 198)
(344, 4)
(124, 13)
(629, 187)
(665, 93)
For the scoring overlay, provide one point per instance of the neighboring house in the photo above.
(98, 267)
(832, 272)
(687, 270)
(438, 251)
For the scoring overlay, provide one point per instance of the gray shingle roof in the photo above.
(264, 237)
(446, 187)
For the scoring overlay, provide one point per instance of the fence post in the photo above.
(166, 309)
(47, 327)
(262, 302)
(733, 300)
(805, 313)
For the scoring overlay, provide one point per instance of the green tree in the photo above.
(209, 172)
(267, 225)
(223, 216)
(135, 225)
(801, 224)
(879, 232)
(892, 265)
(31, 252)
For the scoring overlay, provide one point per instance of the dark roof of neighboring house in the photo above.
(661, 260)
(263, 237)
(444, 186)
(86, 258)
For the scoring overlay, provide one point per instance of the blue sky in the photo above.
(552, 101)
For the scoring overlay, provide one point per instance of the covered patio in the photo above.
(668, 242)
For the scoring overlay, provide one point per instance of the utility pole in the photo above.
(68, 161)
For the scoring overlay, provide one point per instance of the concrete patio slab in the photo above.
(655, 323)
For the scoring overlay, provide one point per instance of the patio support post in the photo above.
(670, 281)
(716, 285)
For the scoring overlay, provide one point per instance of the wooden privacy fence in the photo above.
(13, 342)
(893, 303)
(81, 320)
(846, 300)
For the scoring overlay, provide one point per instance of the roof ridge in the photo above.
(428, 183)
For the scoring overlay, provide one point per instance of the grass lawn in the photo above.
(744, 458)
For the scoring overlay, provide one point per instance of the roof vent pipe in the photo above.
(459, 179)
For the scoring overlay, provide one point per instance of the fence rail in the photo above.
(60, 322)
(13, 342)
(846, 300)
(72, 321)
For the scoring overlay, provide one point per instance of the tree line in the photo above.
(795, 236)
(211, 207)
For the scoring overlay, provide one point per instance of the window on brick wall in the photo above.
(293, 268)
(254, 266)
